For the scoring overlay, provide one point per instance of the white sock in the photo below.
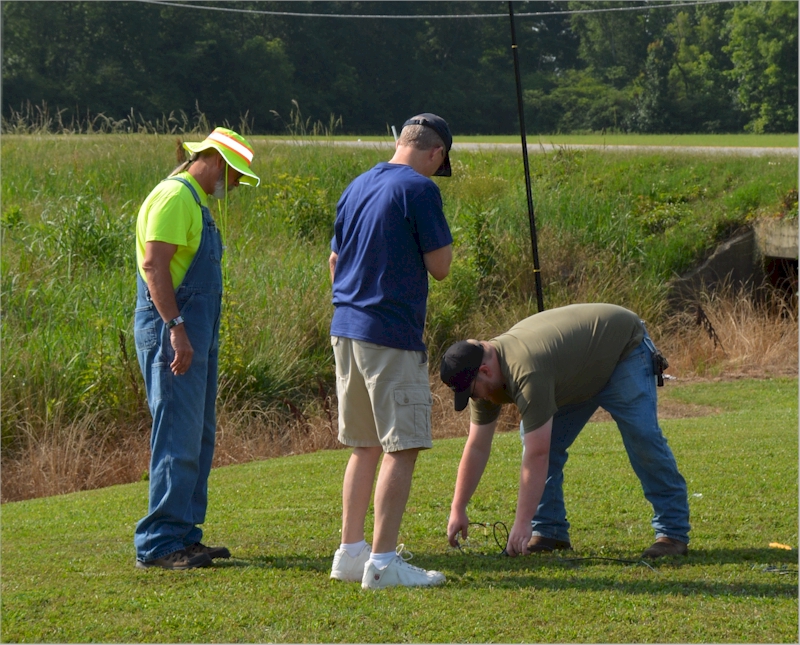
(382, 560)
(353, 549)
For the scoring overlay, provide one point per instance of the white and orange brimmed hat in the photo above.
(235, 150)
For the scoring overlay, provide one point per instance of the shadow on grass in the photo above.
(293, 563)
(696, 556)
(766, 572)
(774, 586)
(761, 572)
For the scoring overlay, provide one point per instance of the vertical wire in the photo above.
(534, 246)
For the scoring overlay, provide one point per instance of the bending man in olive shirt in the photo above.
(558, 367)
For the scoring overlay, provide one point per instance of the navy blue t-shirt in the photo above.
(386, 219)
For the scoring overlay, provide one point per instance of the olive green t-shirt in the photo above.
(560, 356)
(170, 214)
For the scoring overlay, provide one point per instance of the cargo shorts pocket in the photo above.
(413, 409)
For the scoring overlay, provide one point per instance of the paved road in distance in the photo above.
(551, 147)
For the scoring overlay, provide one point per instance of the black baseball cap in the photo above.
(459, 368)
(438, 125)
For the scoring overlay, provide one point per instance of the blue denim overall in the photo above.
(183, 407)
(631, 400)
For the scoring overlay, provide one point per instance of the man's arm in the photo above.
(332, 264)
(470, 470)
(157, 256)
(532, 478)
(438, 262)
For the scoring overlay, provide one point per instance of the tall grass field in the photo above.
(612, 227)
(68, 561)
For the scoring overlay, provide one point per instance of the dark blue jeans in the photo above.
(630, 398)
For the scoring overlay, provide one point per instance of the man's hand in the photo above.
(183, 350)
(518, 539)
(157, 258)
(458, 523)
(470, 471)
(532, 478)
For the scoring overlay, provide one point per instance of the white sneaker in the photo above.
(399, 574)
(348, 568)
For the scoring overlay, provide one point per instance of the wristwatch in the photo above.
(175, 322)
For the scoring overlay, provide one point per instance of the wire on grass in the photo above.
(781, 570)
(502, 546)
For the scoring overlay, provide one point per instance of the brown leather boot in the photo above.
(177, 560)
(540, 544)
(665, 546)
(211, 551)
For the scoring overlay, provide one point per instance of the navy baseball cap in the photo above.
(459, 368)
(438, 125)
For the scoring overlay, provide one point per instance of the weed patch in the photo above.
(611, 228)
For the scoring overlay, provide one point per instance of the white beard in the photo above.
(219, 187)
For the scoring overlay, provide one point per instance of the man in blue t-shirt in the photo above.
(390, 233)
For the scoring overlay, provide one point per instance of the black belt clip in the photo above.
(660, 363)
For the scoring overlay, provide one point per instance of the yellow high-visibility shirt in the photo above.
(171, 214)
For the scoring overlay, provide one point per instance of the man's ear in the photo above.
(220, 161)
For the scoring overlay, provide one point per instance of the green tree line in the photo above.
(635, 67)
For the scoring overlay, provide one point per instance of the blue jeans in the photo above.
(630, 398)
(183, 407)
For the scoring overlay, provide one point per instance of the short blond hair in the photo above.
(420, 137)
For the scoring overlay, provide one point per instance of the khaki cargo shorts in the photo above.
(384, 396)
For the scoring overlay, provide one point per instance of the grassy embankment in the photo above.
(611, 228)
(68, 573)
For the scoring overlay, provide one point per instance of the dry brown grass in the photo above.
(63, 457)
(248, 434)
(750, 339)
(733, 336)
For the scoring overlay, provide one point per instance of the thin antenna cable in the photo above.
(537, 274)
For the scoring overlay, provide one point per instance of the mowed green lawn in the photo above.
(68, 574)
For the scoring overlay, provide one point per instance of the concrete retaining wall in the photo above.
(744, 261)
(776, 238)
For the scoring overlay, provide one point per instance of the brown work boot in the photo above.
(665, 546)
(541, 544)
(213, 552)
(177, 560)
